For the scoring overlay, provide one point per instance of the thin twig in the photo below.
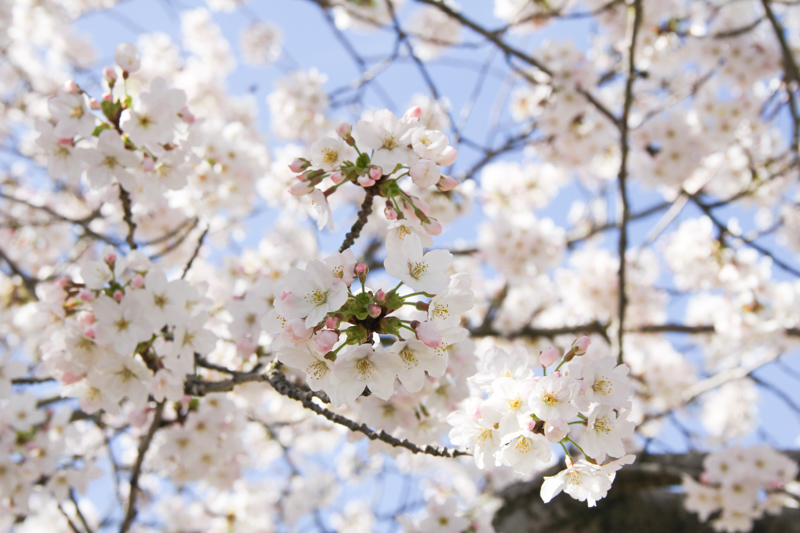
(144, 445)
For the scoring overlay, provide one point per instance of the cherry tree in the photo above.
(445, 264)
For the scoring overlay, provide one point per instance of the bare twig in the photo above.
(144, 445)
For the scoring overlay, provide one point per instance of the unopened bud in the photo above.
(108, 97)
(148, 165)
(374, 310)
(301, 189)
(366, 181)
(186, 115)
(432, 226)
(375, 172)
(414, 112)
(85, 295)
(361, 271)
(336, 177)
(446, 183)
(110, 258)
(548, 357)
(110, 75)
(390, 212)
(556, 430)
(380, 297)
(137, 282)
(299, 165)
(325, 340)
(119, 295)
(580, 346)
(343, 130)
(71, 87)
(67, 141)
(94, 104)
(86, 318)
(429, 334)
(447, 157)
(331, 322)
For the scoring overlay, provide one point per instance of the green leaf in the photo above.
(99, 129)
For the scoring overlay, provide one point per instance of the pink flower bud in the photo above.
(447, 157)
(705, 478)
(336, 177)
(71, 87)
(246, 347)
(69, 378)
(86, 318)
(137, 282)
(446, 183)
(67, 141)
(414, 112)
(361, 269)
(119, 295)
(89, 333)
(298, 165)
(94, 104)
(62, 282)
(110, 74)
(374, 310)
(390, 212)
(343, 130)
(556, 430)
(380, 297)
(366, 181)
(432, 226)
(148, 165)
(300, 189)
(527, 423)
(331, 322)
(325, 340)
(428, 334)
(186, 115)
(110, 258)
(138, 417)
(375, 172)
(108, 98)
(548, 357)
(581, 345)
(295, 331)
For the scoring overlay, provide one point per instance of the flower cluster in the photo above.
(738, 485)
(124, 331)
(327, 330)
(143, 142)
(584, 403)
(377, 153)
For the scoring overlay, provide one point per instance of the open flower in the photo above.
(421, 272)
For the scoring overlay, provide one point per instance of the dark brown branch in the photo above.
(29, 282)
(492, 36)
(127, 216)
(197, 387)
(623, 174)
(194, 254)
(144, 445)
(363, 214)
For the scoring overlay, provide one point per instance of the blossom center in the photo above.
(417, 269)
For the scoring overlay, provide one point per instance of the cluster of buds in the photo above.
(126, 331)
(375, 155)
(328, 331)
(582, 404)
